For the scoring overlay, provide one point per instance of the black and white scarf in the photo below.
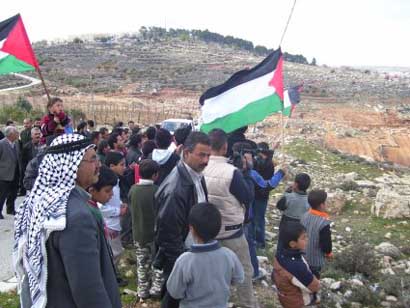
(44, 211)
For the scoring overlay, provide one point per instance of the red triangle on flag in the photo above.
(18, 44)
(277, 80)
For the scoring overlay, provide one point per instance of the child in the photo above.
(297, 286)
(141, 198)
(294, 202)
(114, 208)
(202, 276)
(54, 122)
(317, 223)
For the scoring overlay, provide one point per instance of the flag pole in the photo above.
(44, 84)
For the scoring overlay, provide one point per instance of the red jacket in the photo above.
(49, 126)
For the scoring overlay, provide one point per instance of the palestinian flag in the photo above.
(247, 97)
(16, 54)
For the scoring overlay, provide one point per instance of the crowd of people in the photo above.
(190, 205)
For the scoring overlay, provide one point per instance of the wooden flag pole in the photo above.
(44, 84)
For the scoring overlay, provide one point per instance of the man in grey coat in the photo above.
(9, 169)
(75, 269)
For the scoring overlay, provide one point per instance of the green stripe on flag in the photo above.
(251, 113)
(10, 64)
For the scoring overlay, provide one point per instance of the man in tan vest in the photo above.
(231, 194)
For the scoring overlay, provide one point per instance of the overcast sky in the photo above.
(336, 32)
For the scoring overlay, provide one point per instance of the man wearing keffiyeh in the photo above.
(60, 255)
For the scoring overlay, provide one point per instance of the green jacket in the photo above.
(142, 209)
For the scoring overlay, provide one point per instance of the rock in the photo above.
(348, 293)
(388, 249)
(347, 177)
(335, 286)
(264, 284)
(356, 282)
(355, 305)
(388, 235)
(263, 260)
(269, 235)
(391, 298)
(345, 220)
(335, 202)
(385, 304)
(348, 229)
(129, 274)
(130, 292)
(392, 202)
(366, 184)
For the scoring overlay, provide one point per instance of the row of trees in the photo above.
(157, 33)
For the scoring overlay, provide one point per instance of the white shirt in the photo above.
(196, 178)
(112, 209)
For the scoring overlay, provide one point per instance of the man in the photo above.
(37, 122)
(231, 194)
(184, 187)
(239, 136)
(77, 270)
(95, 138)
(104, 133)
(131, 125)
(25, 135)
(163, 155)
(9, 169)
(28, 152)
(116, 143)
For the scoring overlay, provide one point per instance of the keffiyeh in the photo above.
(44, 211)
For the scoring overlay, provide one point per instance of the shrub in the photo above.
(364, 296)
(357, 258)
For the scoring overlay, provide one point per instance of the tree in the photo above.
(313, 62)
(23, 104)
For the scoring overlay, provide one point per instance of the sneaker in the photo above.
(258, 277)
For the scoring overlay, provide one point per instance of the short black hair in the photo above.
(135, 140)
(151, 132)
(113, 139)
(90, 123)
(9, 122)
(118, 130)
(135, 130)
(118, 124)
(131, 121)
(81, 125)
(181, 134)
(195, 138)
(316, 198)
(291, 231)
(163, 138)
(95, 135)
(103, 130)
(206, 220)
(101, 146)
(218, 139)
(148, 168)
(147, 148)
(113, 158)
(303, 181)
(107, 177)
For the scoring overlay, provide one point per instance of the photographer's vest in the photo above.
(218, 177)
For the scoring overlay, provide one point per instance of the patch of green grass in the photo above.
(9, 300)
(313, 153)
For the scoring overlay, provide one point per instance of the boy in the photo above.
(114, 208)
(294, 203)
(54, 122)
(317, 223)
(202, 276)
(297, 286)
(141, 197)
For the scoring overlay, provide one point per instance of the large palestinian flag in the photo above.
(16, 54)
(247, 97)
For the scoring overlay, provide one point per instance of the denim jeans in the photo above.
(259, 211)
(250, 238)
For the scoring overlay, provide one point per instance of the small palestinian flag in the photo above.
(291, 99)
(247, 97)
(16, 54)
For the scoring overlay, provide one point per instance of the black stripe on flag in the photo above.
(266, 66)
(7, 25)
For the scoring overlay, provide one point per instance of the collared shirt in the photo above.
(83, 192)
(196, 178)
(111, 211)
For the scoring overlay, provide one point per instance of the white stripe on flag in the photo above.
(237, 98)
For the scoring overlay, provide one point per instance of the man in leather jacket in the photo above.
(183, 188)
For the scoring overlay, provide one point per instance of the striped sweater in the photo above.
(317, 226)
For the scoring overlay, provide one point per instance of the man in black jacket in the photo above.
(184, 187)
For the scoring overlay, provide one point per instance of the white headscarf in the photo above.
(44, 211)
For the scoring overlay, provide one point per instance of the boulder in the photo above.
(392, 202)
(388, 249)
